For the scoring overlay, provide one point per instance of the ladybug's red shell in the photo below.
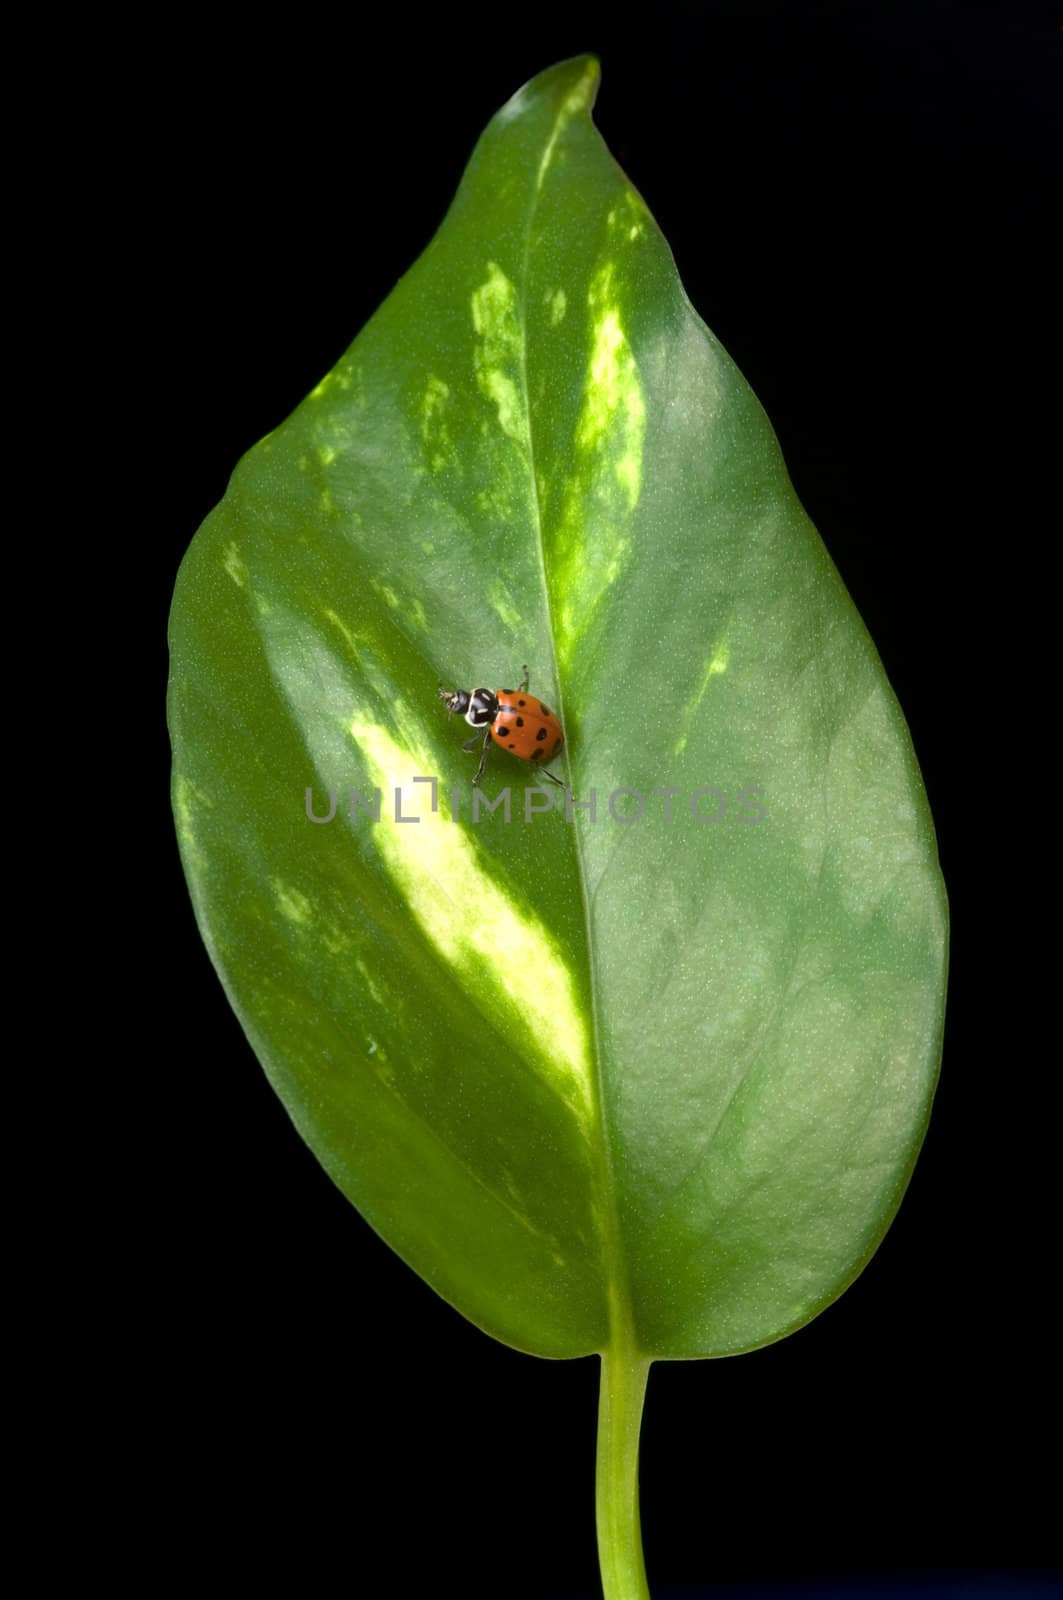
(526, 727)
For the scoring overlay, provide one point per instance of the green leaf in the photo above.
(650, 1085)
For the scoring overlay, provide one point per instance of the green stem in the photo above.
(623, 1390)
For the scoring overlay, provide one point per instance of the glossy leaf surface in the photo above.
(655, 1079)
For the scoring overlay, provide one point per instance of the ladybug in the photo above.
(513, 718)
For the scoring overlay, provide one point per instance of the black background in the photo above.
(858, 200)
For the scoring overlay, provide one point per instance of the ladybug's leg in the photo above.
(483, 757)
(524, 685)
(470, 744)
(541, 772)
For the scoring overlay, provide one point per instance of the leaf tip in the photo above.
(570, 86)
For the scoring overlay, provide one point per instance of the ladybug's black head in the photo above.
(455, 700)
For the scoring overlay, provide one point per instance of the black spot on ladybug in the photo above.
(506, 691)
(545, 710)
(520, 702)
(537, 755)
(520, 722)
(512, 746)
(541, 734)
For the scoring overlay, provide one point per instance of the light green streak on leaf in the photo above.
(435, 432)
(497, 355)
(234, 566)
(502, 604)
(714, 667)
(614, 411)
(348, 634)
(498, 950)
(186, 797)
(627, 221)
(580, 99)
(292, 904)
(603, 491)
(367, 978)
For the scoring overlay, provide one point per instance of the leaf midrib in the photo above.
(618, 1297)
